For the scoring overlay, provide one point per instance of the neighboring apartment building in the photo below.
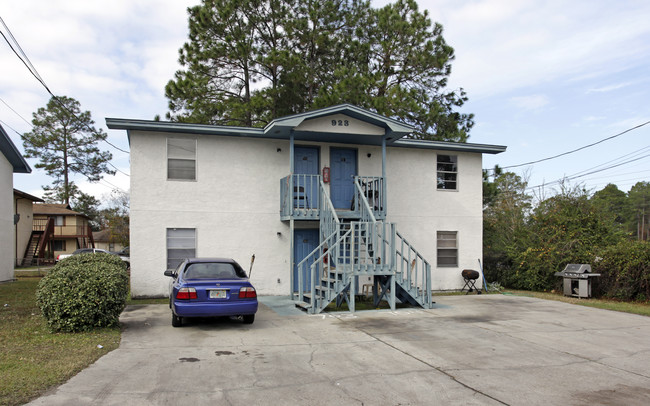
(57, 230)
(105, 241)
(24, 212)
(11, 161)
(336, 194)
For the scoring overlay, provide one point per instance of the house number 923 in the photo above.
(341, 123)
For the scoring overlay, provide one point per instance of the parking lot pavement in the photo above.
(469, 350)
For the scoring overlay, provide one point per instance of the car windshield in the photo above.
(213, 270)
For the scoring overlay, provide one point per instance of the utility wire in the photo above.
(10, 127)
(117, 169)
(575, 150)
(573, 177)
(38, 77)
(10, 108)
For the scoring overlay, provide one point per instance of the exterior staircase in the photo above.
(38, 244)
(361, 247)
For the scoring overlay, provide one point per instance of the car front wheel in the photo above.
(249, 318)
(176, 321)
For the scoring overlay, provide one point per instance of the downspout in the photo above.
(16, 231)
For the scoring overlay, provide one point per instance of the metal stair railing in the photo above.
(320, 265)
(361, 203)
(328, 219)
(369, 247)
(373, 189)
(326, 256)
(413, 271)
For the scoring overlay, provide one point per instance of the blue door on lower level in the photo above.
(343, 164)
(304, 242)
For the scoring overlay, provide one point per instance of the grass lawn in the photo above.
(32, 359)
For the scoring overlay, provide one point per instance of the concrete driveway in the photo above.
(469, 350)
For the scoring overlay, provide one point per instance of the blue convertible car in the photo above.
(211, 287)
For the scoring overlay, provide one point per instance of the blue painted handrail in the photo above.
(368, 247)
(299, 195)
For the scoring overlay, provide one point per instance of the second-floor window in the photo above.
(181, 159)
(447, 172)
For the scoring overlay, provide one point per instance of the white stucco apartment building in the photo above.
(11, 161)
(215, 191)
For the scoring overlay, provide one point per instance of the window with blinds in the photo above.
(447, 248)
(181, 244)
(181, 159)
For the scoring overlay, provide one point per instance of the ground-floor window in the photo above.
(447, 248)
(181, 244)
(58, 245)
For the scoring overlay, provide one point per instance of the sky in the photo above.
(543, 78)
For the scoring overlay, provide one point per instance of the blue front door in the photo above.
(304, 242)
(305, 162)
(343, 169)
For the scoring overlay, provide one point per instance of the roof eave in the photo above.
(12, 154)
(451, 146)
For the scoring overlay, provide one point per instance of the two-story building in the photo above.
(330, 202)
(24, 213)
(56, 230)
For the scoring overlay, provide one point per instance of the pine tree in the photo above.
(64, 140)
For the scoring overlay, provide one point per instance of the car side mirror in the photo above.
(170, 273)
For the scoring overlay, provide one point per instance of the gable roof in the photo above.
(377, 128)
(60, 209)
(12, 154)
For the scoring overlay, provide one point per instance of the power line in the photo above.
(10, 108)
(580, 175)
(575, 150)
(117, 169)
(10, 127)
(34, 72)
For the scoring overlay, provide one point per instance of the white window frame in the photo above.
(186, 158)
(439, 172)
(440, 237)
(181, 243)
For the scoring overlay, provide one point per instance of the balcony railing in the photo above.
(300, 197)
(62, 231)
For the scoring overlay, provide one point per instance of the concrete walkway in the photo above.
(469, 350)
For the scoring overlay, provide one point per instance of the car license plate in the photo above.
(218, 294)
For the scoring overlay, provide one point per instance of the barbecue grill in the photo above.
(470, 276)
(577, 280)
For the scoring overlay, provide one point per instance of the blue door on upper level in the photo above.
(343, 164)
(305, 162)
(304, 242)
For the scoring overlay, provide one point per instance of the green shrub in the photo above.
(625, 271)
(83, 292)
